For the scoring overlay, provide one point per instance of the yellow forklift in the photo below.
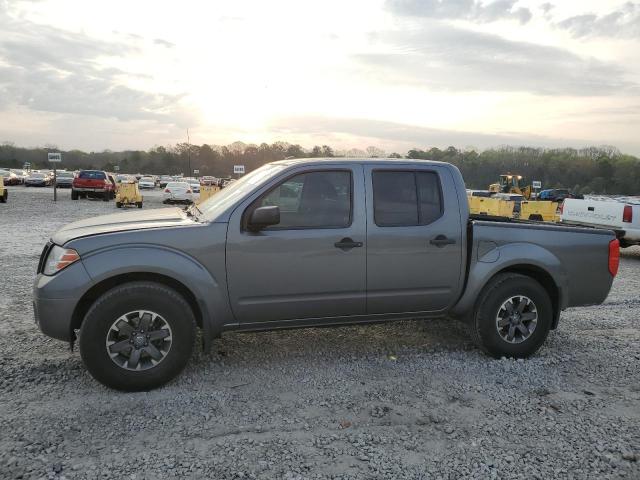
(128, 194)
(510, 183)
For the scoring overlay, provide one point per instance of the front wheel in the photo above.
(513, 316)
(137, 336)
(5, 195)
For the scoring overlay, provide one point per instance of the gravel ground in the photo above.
(402, 400)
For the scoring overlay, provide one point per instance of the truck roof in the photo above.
(342, 160)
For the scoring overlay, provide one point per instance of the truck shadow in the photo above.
(385, 339)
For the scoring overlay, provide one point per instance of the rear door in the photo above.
(414, 239)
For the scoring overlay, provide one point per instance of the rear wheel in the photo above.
(137, 336)
(513, 316)
(106, 196)
(74, 195)
(4, 196)
(139, 204)
(118, 204)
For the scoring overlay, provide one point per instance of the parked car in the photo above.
(10, 178)
(93, 183)
(38, 179)
(164, 179)
(146, 183)
(21, 174)
(177, 192)
(208, 181)
(555, 194)
(621, 216)
(283, 247)
(64, 179)
(195, 184)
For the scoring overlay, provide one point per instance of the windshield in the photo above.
(64, 174)
(236, 190)
(37, 175)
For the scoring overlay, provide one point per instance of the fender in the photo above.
(210, 294)
(505, 257)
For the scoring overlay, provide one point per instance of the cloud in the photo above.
(621, 23)
(164, 43)
(443, 57)
(48, 69)
(399, 135)
(472, 10)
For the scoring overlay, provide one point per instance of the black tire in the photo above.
(484, 325)
(118, 204)
(139, 204)
(74, 195)
(130, 297)
(106, 196)
(3, 198)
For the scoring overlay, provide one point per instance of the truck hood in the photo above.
(120, 222)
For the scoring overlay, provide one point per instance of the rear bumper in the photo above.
(94, 190)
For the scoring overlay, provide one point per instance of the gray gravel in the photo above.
(402, 400)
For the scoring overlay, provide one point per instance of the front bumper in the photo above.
(55, 299)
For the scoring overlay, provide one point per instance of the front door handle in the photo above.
(441, 241)
(347, 244)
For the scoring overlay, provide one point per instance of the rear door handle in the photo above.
(347, 244)
(441, 241)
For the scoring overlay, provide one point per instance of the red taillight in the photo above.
(627, 214)
(561, 208)
(166, 190)
(614, 257)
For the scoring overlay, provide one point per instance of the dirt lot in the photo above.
(402, 400)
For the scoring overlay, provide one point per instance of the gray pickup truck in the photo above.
(310, 243)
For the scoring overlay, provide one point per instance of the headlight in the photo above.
(58, 259)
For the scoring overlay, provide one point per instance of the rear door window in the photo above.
(406, 198)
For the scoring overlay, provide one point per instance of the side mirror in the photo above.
(263, 217)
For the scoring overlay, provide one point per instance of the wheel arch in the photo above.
(91, 295)
(546, 281)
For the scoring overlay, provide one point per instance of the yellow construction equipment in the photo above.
(128, 194)
(491, 206)
(510, 183)
(542, 210)
(4, 194)
(207, 191)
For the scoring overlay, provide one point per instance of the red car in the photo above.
(93, 183)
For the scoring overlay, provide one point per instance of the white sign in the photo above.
(238, 169)
(196, 172)
(54, 157)
(536, 184)
(116, 168)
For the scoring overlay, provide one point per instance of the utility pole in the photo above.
(189, 153)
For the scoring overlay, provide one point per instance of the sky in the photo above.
(395, 74)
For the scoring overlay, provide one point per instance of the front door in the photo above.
(312, 264)
(414, 239)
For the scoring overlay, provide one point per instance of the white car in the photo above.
(177, 192)
(195, 184)
(146, 182)
(621, 215)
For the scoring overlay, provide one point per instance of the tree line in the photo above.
(589, 170)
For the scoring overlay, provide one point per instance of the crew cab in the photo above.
(93, 183)
(310, 242)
